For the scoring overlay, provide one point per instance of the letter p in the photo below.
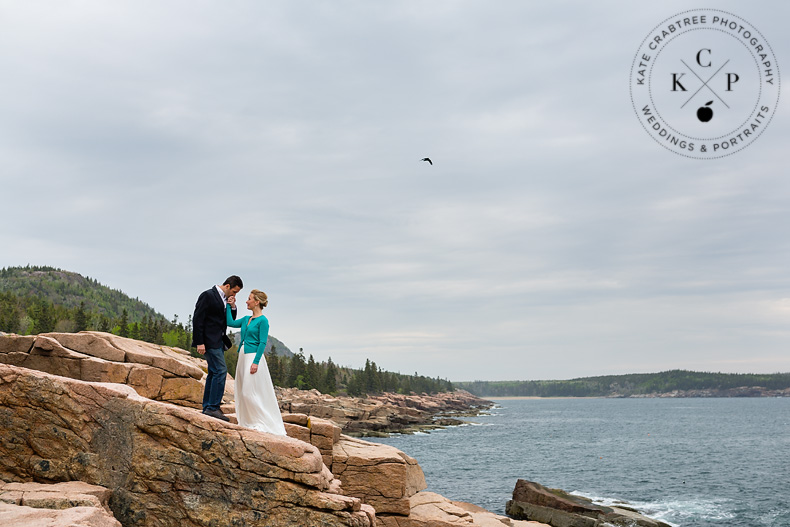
(732, 78)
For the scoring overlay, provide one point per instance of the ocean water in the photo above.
(687, 462)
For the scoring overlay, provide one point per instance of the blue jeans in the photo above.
(215, 381)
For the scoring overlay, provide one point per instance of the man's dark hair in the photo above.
(233, 281)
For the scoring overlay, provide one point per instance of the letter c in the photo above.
(698, 58)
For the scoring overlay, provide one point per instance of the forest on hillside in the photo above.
(44, 299)
(37, 300)
(627, 385)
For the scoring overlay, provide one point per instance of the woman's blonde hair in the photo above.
(261, 297)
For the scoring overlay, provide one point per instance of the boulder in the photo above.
(93, 343)
(165, 465)
(63, 504)
(11, 343)
(486, 518)
(48, 355)
(433, 510)
(380, 475)
(157, 372)
(533, 501)
(100, 370)
(162, 357)
(56, 496)
(324, 435)
(320, 433)
(23, 516)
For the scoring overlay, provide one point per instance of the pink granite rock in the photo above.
(165, 465)
(74, 503)
(157, 372)
(380, 475)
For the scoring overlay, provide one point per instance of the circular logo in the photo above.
(705, 83)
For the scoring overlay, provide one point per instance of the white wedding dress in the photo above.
(256, 403)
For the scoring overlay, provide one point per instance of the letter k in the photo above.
(676, 82)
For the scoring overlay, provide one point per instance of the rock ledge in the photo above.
(533, 501)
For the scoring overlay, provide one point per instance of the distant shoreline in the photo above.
(673, 383)
(520, 397)
(637, 396)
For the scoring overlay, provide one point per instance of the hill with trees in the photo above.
(637, 384)
(44, 299)
(37, 299)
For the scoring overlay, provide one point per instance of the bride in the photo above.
(256, 403)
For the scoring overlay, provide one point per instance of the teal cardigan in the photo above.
(253, 335)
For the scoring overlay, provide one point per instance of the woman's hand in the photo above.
(232, 301)
(253, 369)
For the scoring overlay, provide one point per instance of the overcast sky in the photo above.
(160, 146)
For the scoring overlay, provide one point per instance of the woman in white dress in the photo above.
(256, 403)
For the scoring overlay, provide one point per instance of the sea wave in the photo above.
(673, 511)
(774, 518)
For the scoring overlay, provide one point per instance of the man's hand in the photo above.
(201, 349)
(232, 301)
(253, 369)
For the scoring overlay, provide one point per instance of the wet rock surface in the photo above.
(533, 501)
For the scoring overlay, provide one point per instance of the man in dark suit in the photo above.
(209, 329)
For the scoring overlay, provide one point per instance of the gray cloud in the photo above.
(160, 146)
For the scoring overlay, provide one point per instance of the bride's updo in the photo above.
(261, 297)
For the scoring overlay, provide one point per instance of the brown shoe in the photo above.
(217, 414)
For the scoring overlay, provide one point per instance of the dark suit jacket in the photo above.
(208, 323)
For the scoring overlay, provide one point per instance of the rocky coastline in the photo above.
(102, 430)
(384, 414)
(742, 391)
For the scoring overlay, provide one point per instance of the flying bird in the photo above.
(428, 159)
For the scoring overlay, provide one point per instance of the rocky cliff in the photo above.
(122, 415)
(164, 464)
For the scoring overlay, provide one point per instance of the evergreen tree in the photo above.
(124, 324)
(355, 384)
(313, 375)
(372, 382)
(43, 317)
(146, 332)
(275, 368)
(81, 318)
(134, 331)
(9, 314)
(330, 378)
(296, 370)
(186, 341)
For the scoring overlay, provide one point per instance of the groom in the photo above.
(209, 335)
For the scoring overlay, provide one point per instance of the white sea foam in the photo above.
(773, 517)
(672, 511)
